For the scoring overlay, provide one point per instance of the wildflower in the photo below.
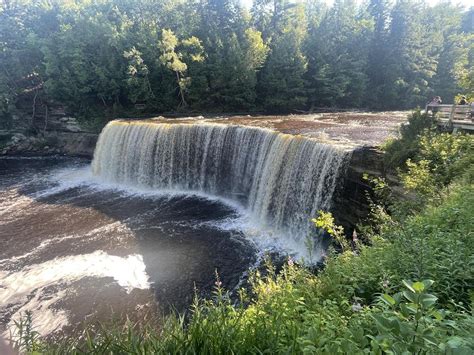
(218, 283)
(356, 307)
(290, 261)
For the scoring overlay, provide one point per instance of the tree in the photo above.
(173, 60)
(137, 82)
(338, 57)
(282, 83)
(84, 63)
(411, 63)
(378, 52)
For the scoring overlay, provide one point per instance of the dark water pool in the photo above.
(73, 250)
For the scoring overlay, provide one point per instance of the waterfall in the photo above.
(281, 179)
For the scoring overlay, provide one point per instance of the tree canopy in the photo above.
(103, 57)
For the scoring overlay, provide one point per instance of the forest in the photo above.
(108, 58)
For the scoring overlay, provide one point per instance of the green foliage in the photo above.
(398, 151)
(409, 322)
(282, 83)
(137, 81)
(381, 209)
(100, 58)
(325, 221)
(174, 60)
(26, 339)
(434, 245)
(441, 159)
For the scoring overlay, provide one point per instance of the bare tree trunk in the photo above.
(34, 109)
(45, 119)
(181, 91)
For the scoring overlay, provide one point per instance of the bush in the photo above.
(398, 151)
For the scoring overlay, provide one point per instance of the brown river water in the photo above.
(74, 250)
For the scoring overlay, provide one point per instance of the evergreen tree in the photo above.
(282, 84)
(411, 63)
(452, 51)
(338, 58)
(378, 52)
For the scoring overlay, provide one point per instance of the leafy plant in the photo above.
(325, 221)
(411, 322)
(398, 151)
(24, 337)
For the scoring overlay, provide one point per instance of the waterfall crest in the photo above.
(282, 180)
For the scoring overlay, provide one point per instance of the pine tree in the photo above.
(378, 52)
(411, 63)
(282, 85)
(338, 59)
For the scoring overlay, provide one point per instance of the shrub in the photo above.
(441, 159)
(407, 146)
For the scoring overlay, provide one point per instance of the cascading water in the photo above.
(282, 180)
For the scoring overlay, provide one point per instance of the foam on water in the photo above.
(264, 236)
(27, 289)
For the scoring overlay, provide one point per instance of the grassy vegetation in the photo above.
(406, 289)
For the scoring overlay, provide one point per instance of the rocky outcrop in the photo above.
(51, 142)
(73, 143)
(61, 135)
(351, 204)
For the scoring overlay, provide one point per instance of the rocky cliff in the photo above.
(60, 135)
(351, 204)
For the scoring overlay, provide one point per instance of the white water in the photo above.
(17, 287)
(281, 180)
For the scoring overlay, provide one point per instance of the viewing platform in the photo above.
(453, 117)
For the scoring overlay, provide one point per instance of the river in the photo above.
(74, 250)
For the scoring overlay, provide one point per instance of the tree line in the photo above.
(105, 57)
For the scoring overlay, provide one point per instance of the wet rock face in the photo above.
(52, 142)
(60, 135)
(350, 202)
(74, 144)
(21, 143)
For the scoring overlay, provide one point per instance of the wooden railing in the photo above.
(453, 116)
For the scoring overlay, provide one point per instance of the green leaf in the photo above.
(428, 300)
(411, 296)
(428, 283)
(418, 287)
(408, 285)
(437, 315)
(388, 299)
(455, 342)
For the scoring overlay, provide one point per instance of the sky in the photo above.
(465, 3)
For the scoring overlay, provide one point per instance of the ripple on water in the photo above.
(74, 248)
